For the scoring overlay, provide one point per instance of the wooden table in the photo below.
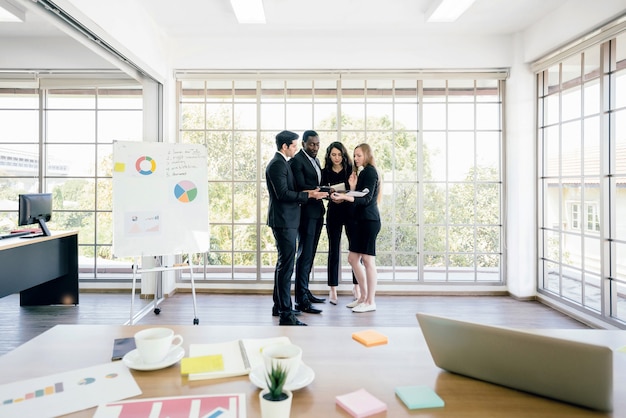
(341, 365)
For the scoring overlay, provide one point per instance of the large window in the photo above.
(581, 117)
(437, 142)
(59, 140)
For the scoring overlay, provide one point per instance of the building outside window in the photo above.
(581, 103)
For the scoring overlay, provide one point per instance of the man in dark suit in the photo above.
(308, 174)
(284, 217)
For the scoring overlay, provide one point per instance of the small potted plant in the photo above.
(275, 400)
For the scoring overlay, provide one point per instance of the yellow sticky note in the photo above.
(202, 364)
(119, 167)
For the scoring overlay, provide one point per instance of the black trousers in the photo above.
(286, 246)
(309, 233)
(336, 220)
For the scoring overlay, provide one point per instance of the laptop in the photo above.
(569, 371)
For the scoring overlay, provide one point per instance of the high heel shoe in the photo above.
(332, 297)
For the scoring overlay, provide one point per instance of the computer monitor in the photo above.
(35, 208)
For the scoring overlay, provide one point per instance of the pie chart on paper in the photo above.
(185, 191)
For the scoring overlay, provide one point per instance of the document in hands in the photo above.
(226, 359)
(339, 187)
(356, 193)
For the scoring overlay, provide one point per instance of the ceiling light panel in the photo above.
(249, 11)
(447, 10)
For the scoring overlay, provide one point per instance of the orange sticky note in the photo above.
(370, 338)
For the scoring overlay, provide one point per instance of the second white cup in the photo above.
(289, 356)
(154, 344)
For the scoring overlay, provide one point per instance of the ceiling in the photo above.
(211, 18)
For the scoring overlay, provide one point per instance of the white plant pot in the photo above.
(275, 409)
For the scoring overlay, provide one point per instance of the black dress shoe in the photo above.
(275, 311)
(290, 319)
(315, 299)
(308, 308)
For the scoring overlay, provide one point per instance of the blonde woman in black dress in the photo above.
(363, 236)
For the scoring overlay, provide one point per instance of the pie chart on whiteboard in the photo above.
(185, 191)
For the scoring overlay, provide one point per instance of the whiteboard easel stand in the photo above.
(158, 298)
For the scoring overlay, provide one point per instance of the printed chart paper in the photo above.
(200, 406)
(64, 393)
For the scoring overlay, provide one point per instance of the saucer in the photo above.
(133, 361)
(304, 377)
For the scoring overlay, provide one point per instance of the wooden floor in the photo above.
(20, 324)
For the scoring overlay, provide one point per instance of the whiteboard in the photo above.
(160, 199)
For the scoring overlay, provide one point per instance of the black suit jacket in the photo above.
(284, 206)
(366, 207)
(306, 179)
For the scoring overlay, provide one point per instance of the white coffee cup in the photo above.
(288, 356)
(154, 344)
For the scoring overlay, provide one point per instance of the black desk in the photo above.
(44, 269)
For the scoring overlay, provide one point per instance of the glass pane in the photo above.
(461, 156)
(379, 116)
(488, 116)
(325, 116)
(488, 203)
(591, 96)
(406, 157)
(618, 189)
(570, 101)
(552, 151)
(299, 117)
(552, 245)
(591, 141)
(405, 198)
(120, 126)
(571, 158)
(434, 116)
(620, 141)
(20, 160)
(488, 156)
(19, 126)
(245, 203)
(460, 116)
(245, 159)
(434, 155)
(593, 296)
(220, 203)
(245, 116)
(353, 116)
(406, 238)
(434, 205)
(406, 117)
(620, 89)
(71, 126)
(552, 109)
(219, 149)
(73, 160)
(71, 99)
